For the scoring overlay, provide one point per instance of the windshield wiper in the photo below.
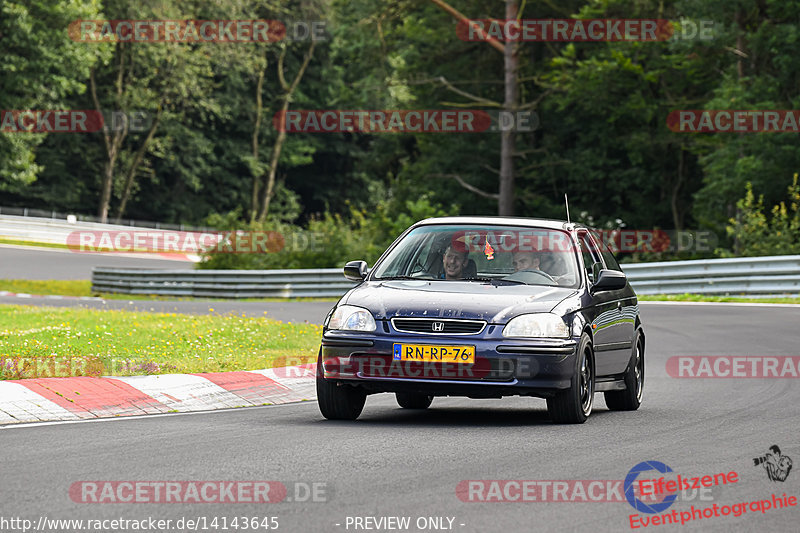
(389, 278)
(508, 282)
(497, 281)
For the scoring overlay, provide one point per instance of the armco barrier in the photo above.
(313, 282)
(750, 276)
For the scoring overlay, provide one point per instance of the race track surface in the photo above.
(28, 262)
(393, 462)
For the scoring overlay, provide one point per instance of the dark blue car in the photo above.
(486, 307)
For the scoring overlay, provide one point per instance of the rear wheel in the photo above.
(631, 398)
(339, 402)
(409, 400)
(574, 405)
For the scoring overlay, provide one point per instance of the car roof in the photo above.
(502, 221)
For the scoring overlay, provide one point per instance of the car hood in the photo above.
(454, 299)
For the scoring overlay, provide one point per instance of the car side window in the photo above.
(591, 259)
(609, 259)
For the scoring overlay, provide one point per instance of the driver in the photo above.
(525, 261)
(454, 262)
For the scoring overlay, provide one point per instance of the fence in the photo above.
(56, 230)
(749, 276)
(312, 282)
(35, 216)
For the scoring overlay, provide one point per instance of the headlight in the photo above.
(351, 318)
(537, 325)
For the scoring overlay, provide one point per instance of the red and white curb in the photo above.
(79, 398)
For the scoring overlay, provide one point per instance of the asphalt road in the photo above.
(393, 462)
(28, 262)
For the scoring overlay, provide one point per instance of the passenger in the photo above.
(525, 261)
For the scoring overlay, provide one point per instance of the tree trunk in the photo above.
(137, 160)
(105, 195)
(505, 204)
(112, 141)
(256, 131)
(677, 218)
(266, 195)
(273, 167)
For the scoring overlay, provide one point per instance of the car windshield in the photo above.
(485, 253)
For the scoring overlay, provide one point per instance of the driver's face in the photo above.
(454, 264)
(525, 261)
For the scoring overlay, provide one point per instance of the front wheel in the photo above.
(574, 405)
(339, 402)
(631, 398)
(409, 400)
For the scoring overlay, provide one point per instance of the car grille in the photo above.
(439, 326)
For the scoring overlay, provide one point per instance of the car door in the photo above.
(611, 338)
(628, 305)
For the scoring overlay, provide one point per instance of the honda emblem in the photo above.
(438, 326)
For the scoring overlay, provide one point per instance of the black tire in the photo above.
(409, 400)
(339, 402)
(574, 405)
(631, 398)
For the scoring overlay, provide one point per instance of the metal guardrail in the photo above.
(750, 276)
(313, 282)
(57, 230)
(39, 215)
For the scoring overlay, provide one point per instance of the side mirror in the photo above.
(610, 280)
(355, 270)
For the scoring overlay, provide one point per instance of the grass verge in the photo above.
(18, 242)
(81, 287)
(58, 342)
(706, 298)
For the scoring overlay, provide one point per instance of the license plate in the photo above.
(434, 353)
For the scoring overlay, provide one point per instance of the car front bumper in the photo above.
(503, 367)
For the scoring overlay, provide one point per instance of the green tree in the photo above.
(757, 234)
(41, 66)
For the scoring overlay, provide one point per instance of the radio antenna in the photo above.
(566, 203)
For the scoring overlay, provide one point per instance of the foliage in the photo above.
(40, 69)
(602, 108)
(758, 233)
(328, 241)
